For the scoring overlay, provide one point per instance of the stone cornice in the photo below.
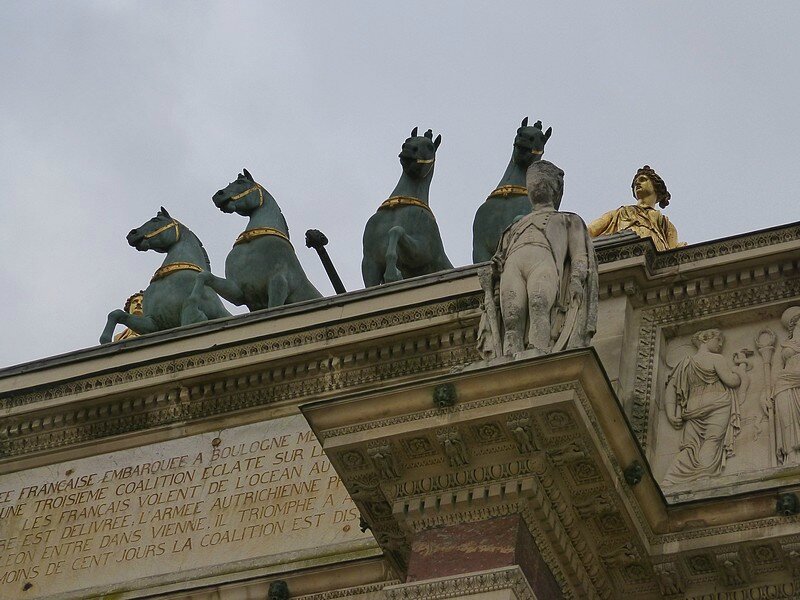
(460, 586)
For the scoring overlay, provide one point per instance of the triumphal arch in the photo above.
(383, 444)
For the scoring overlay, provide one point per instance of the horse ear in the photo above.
(548, 133)
(437, 141)
(247, 174)
(524, 122)
(414, 132)
(164, 213)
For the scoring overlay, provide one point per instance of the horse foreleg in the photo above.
(277, 291)
(391, 272)
(138, 323)
(371, 272)
(111, 323)
(226, 288)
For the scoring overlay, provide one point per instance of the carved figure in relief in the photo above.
(786, 391)
(454, 448)
(732, 569)
(643, 218)
(262, 269)
(402, 239)
(547, 276)
(509, 199)
(168, 301)
(522, 433)
(383, 461)
(133, 306)
(669, 582)
(701, 398)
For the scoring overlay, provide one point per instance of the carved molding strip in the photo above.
(373, 588)
(286, 382)
(458, 586)
(458, 408)
(295, 339)
(692, 254)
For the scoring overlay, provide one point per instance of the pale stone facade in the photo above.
(183, 465)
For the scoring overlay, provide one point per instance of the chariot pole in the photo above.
(316, 239)
(765, 343)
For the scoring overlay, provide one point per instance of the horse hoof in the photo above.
(392, 275)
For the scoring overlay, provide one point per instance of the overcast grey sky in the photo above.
(110, 109)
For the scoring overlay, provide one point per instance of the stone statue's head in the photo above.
(789, 318)
(529, 143)
(712, 337)
(545, 183)
(659, 187)
(418, 154)
(133, 304)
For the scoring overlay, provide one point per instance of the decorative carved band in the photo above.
(458, 586)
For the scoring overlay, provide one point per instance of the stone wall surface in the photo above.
(246, 497)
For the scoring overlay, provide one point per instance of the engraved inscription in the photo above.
(256, 492)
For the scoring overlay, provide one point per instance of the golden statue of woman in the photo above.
(643, 218)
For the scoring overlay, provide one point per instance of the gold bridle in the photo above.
(258, 187)
(172, 223)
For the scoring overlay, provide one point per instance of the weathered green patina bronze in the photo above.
(402, 239)
(166, 302)
(510, 198)
(261, 270)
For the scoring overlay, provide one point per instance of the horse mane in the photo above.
(186, 230)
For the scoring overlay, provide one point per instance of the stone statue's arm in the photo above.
(600, 224)
(578, 251)
(579, 258)
(671, 405)
(727, 375)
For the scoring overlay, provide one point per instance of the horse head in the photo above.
(242, 196)
(529, 143)
(419, 153)
(159, 233)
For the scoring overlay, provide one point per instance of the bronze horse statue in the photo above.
(262, 269)
(402, 239)
(509, 199)
(166, 302)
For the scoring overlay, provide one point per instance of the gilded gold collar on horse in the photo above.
(258, 232)
(396, 201)
(172, 268)
(505, 191)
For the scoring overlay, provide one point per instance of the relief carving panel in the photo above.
(726, 404)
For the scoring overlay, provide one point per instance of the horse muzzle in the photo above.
(135, 239)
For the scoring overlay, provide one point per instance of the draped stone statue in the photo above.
(643, 218)
(546, 275)
(703, 399)
(786, 391)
